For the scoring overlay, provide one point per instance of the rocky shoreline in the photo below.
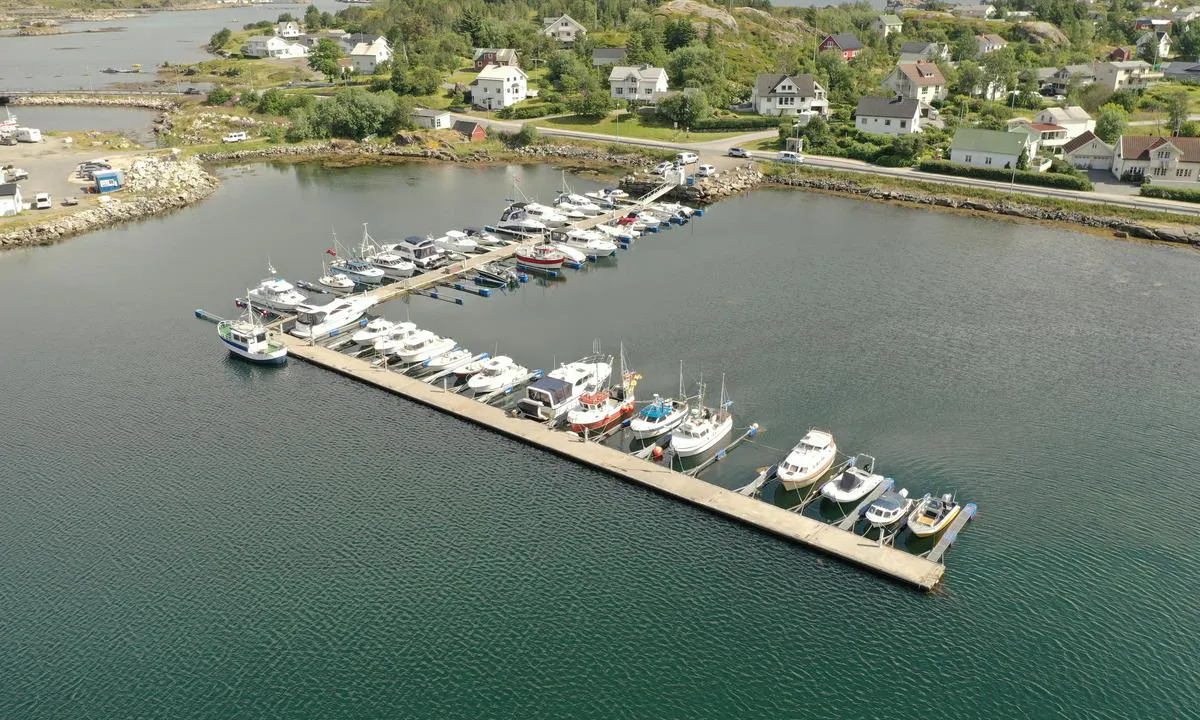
(148, 102)
(410, 148)
(1122, 227)
(158, 185)
(724, 184)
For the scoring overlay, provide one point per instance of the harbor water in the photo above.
(187, 536)
(134, 123)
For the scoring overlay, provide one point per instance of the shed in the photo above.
(108, 181)
(431, 119)
(10, 199)
(473, 131)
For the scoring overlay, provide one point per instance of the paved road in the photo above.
(714, 152)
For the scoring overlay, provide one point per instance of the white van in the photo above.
(30, 135)
(238, 136)
(787, 156)
(687, 158)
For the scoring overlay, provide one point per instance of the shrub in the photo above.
(527, 135)
(1025, 177)
(218, 96)
(738, 122)
(528, 112)
(1170, 193)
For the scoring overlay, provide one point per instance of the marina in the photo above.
(397, 357)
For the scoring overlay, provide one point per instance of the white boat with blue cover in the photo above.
(276, 294)
(659, 417)
(854, 480)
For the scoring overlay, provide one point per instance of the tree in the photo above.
(218, 96)
(591, 104)
(285, 17)
(420, 80)
(679, 33)
(971, 79)
(1187, 42)
(218, 40)
(1177, 108)
(684, 108)
(1127, 99)
(907, 148)
(1023, 159)
(964, 47)
(1110, 125)
(527, 135)
(312, 19)
(324, 58)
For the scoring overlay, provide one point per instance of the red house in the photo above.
(849, 46)
(1122, 54)
(473, 131)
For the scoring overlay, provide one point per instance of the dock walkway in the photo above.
(885, 560)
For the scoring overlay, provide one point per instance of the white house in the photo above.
(10, 199)
(777, 94)
(1074, 119)
(271, 46)
(564, 28)
(1158, 159)
(888, 116)
(921, 50)
(498, 86)
(887, 24)
(349, 41)
(991, 148)
(1088, 152)
(432, 119)
(643, 83)
(922, 80)
(366, 58)
(288, 30)
(973, 12)
(1050, 136)
(1062, 78)
(1156, 43)
(1126, 75)
(990, 42)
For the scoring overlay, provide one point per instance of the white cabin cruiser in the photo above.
(622, 235)
(591, 242)
(516, 221)
(549, 217)
(276, 294)
(372, 331)
(248, 339)
(578, 211)
(482, 237)
(570, 253)
(703, 427)
(854, 481)
(456, 241)
(583, 203)
(392, 264)
(808, 461)
(360, 271)
(932, 515)
(553, 396)
(314, 321)
(337, 282)
(890, 508)
(423, 345)
(400, 332)
(446, 359)
(572, 213)
(419, 251)
(496, 374)
(659, 417)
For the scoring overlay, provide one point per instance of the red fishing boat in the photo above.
(540, 257)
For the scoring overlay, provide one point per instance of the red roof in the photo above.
(1080, 141)
(923, 73)
(1046, 127)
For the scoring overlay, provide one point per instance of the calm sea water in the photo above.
(74, 61)
(187, 536)
(135, 123)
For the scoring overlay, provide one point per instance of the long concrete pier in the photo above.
(885, 560)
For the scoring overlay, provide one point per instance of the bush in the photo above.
(1170, 193)
(529, 112)
(527, 135)
(1025, 177)
(739, 122)
(218, 96)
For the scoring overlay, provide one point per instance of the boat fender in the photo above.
(657, 452)
(721, 455)
(362, 322)
(753, 430)
(626, 421)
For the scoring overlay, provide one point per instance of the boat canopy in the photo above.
(557, 390)
(656, 411)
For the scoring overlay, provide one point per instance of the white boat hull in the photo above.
(689, 446)
(643, 429)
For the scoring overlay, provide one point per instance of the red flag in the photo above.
(329, 251)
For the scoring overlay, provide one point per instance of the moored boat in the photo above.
(548, 216)
(703, 427)
(590, 242)
(446, 359)
(389, 343)
(932, 515)
(556, 394)
(659, 417)
(419, 251)
(423, 345)
(540, 257)
(808, 461)
(515, 220)
(372, 331)
(318, 320)
(889, 508)
(600, 408)
(276, 294)
(854, 481)
(495, 374)
(246, 338)
(496, 275)
(456, 241)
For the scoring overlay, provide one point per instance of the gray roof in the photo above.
(846, 41)
(426, 112)
(916, 46)
(8, 189)
(466, 127)
(766, 82)
(613, 54)
(887, 107)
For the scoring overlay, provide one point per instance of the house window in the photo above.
(1181, 172)
(647, 91)
(617, 91)
(1164, 154)
(888, 122)
(1160, 171)
(987, 160)
(785, 101)
(966, 158)
(903, 124)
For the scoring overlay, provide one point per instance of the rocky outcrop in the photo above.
(149, 102)
(726, 183)
(997, 207)
(411, 147)
(154, 185)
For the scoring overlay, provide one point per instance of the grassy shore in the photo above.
(632, 127)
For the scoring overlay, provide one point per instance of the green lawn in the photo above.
(632, 128)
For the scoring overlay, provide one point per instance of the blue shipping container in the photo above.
(108, 181)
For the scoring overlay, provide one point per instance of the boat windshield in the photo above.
(312, 317)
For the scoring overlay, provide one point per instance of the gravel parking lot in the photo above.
(51, 165)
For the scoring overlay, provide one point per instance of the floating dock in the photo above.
(905, 567)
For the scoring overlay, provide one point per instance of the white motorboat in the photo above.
(419, 251)
(932, 515)
(622, 235)
(890, 508)
(578, 210)
(551, 397)
(372, 331)
(583, 203)
(337, 282)
(470, 369)
(572, 213)
(446, 359)
(248, 339)
(275, 293)
(483, 237)
(808, 461)
(496, 374)
(456, 241)
(392, 264)
(673, 209)
(661, 416)
(601, 408)
(591, 242)
(423, 345)
(516, 221)
(400, 332)
(549, 217)
(360, 271)
(571, 254)
(608, 195)
(703, 427)
(314, 321)
(854, 480)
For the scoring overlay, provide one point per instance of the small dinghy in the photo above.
(889, 509)
(854, 482)
(496, 275)
(932, 515)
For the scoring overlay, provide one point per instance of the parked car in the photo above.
(42, 201)
(663, 168)
(706, 171)
(195, 91)
(12, 173)
(687, 158)
(738, 152)
(787, 156)
(238, 136)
